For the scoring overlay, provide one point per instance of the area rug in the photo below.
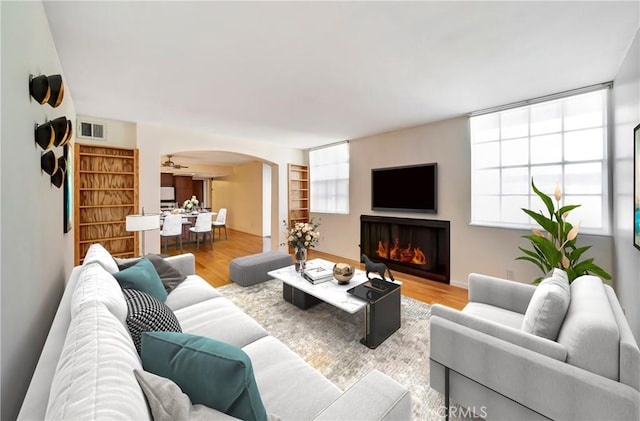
(329, 340)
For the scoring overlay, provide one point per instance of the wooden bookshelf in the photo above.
(298, 193)
(105, 192)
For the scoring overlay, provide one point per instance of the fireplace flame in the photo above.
(406, 254)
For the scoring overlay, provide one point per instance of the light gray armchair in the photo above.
(482, 359)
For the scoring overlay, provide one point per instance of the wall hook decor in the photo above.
(62, 131)
(44, 135)
(49, 162)
(57, 178)
(47, 89)
(56, 132)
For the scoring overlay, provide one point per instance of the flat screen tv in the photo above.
(411, 188)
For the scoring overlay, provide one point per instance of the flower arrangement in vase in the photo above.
(557, 247)
(190, 204)
(302, 236)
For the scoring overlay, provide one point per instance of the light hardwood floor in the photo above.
(213, 265)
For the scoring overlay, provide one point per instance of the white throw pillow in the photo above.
(548, 306)
(96, 284)
(97, 253)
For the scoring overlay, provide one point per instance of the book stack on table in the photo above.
(316, 274)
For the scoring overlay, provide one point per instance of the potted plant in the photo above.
(556, 246)
(301, 236)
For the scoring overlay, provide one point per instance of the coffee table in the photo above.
(303, 294)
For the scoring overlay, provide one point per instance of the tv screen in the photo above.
(412, 188)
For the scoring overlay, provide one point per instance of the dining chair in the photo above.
(203, 225)
(172, 227)
(220, 222)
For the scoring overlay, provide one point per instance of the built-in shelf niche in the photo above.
(106, 191)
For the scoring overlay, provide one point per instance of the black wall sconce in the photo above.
(47, 89)
(56, 132)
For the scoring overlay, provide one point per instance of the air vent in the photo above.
(91, 131)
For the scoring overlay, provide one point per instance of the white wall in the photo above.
(626, 100)
(36, 257)
(473, 249)
(155, 141)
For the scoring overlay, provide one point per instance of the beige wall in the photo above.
(120, 134)
(241, 193)
(473, 249)
(36, 257)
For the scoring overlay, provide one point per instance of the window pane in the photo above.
(515, 180)
(329, 179)
(589, 214)
(561, 142)
(512, 209)
(584, 145)
(486, 155)
(485, 128)
(515, 152)
(486, 182)
(545, 149)
(546, 118)
(584, 111)
(515, 123)
(547, 177)
(583, 178)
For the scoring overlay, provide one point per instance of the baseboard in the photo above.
(459, 284)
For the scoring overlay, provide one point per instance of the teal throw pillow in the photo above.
(143, 277)
(210, 372)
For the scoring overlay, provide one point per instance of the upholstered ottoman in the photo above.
(252, 269)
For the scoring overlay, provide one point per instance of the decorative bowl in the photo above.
(343, 272)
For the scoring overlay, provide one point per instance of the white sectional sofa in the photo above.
(86, 370)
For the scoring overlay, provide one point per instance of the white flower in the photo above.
(307, 237)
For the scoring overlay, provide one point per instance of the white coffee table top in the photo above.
(329, 291)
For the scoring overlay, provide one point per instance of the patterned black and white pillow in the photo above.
(146, 313)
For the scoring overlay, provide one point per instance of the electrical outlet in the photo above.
(510, 274)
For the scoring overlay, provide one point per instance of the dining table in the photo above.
(188, 219)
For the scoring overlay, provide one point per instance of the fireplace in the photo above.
(416, 246)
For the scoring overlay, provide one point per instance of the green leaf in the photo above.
(546, 199)
(537, 280)
(567, 208)
(530, 253)
(597, 270)
(546, 223)
(535, 262)
(577, 252)
(583, 267)
(546, 246)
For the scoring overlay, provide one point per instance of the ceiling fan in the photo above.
(169, 163)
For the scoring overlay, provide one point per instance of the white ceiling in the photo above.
(303, 74)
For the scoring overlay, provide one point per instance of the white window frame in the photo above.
(533, 204)
(328, 174)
